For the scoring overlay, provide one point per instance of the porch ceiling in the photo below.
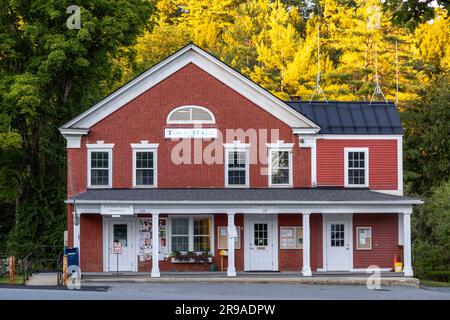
(243, 196)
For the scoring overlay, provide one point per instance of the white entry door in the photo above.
(261, 248)
(338, 247)
(121, 231)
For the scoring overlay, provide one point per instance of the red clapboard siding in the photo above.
(384, 240)
(382, 162)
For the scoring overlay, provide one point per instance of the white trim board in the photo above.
(216, 68)
(355, 136)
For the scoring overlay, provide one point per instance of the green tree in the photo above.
(411, 13)
(427, 146)
(432, 228)
(49, 73)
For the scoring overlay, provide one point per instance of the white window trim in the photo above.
(190, 121)
(279, 146)
(357, 240)
(100, 146)
(191, 231)
(366, 171)
(144, 146)
(241, 147)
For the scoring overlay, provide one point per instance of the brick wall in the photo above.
(91, 243)
(145, 117)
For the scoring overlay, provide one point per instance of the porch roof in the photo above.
(235, 195)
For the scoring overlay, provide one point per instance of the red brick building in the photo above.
(191, 160)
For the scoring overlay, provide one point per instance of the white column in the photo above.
(76, 231)
(231, 270)
(306, 271)
(155, 245)
(407, 267)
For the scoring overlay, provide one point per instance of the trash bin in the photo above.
(72, 257)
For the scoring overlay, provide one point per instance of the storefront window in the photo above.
(202, 238)
(190, 234)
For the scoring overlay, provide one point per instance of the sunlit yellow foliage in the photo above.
(263, 40)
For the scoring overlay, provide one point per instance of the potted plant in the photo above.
(191, 257)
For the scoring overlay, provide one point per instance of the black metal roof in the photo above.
(244, 195)
(351, 117)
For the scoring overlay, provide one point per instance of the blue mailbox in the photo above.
(72, 256)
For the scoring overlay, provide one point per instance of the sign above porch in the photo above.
(116, 209)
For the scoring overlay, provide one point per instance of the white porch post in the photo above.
(231, 270)
(306, 270)
(407, 268)
(76, 231)
(155, 245)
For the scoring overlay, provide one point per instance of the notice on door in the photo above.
(117, 248)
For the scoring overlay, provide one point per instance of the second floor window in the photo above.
(145, 164)
(99, 168)
(236, 168)
(280, 174)
(356, 167)
(99, 164)
(145, 168)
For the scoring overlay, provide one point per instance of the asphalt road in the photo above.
(195, 291)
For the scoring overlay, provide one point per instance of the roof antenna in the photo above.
(374, 23)
(377, 90)
(318, 89)
(396, 73)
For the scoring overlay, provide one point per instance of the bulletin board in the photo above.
(291, 237)
(363, 238)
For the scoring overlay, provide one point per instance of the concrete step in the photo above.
(43, 279)
(274, 279)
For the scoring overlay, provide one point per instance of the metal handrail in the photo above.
(27, 266)
(59, 268)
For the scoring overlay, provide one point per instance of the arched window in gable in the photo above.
(190, 114)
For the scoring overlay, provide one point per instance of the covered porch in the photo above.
(261, 213)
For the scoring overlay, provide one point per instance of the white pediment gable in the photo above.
(216, 68)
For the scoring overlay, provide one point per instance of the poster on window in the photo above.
(146, 242)
(145, 239)
(364, 238)
(223, 238)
